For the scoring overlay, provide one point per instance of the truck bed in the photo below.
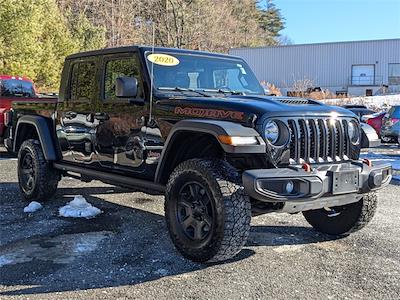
(38, 105)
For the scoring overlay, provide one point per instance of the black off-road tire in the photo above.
(46, 178)
(345, 219)
(231, 220)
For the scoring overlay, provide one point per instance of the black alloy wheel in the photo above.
(27, 172)
(195, 212)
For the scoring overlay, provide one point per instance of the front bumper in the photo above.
(335, 182)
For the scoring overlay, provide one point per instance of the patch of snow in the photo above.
(161, 272)
(79, 208)
(7, 158)
(288, 248)
(4, 260)
(62, 249)
(32, 207)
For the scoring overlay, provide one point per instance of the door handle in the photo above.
(101, 116)
(70, 115)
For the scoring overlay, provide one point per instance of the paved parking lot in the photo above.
(126, 252)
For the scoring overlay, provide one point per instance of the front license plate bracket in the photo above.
(344, 182)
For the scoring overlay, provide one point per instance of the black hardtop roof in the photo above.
(146, 48)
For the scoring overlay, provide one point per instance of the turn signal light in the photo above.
(238, 140)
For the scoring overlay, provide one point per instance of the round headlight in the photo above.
(354, 132)
(272, 132)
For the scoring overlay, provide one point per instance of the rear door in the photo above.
(77, 127)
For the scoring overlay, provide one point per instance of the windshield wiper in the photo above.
(180, 89)
(224, 91)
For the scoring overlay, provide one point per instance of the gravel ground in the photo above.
(126, 252)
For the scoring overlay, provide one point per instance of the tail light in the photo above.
(8, 118)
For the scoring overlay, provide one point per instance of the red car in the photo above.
(12, 89)
(375, 121)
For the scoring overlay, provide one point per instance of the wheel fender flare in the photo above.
(214, 128)
(44, 133)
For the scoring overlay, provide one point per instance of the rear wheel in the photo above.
(37, 178)
(343, 220)
(207, 211)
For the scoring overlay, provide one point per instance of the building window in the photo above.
(363, 75)
(394, 74)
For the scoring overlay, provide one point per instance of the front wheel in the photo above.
(343, 220)
(37, 178)
(207, 211)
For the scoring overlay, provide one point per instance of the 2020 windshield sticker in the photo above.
(163, 59)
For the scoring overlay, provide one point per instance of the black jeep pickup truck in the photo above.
(197, 128)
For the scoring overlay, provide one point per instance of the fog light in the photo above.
(289, 187)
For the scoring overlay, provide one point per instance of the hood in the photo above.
(245, 108)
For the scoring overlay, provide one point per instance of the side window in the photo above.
(83, 81)
(121, 67)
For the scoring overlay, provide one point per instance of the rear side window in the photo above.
(16, 88)
(83, 81)
(120, 67)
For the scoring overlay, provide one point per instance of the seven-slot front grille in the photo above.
(318, 140)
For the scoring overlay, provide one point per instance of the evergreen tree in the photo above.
(271, 20)
(35, 38)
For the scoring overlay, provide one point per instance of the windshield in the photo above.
(209, 74)
(16, 88)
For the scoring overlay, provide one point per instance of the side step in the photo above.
(115, 179)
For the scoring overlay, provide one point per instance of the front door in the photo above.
(121, 134)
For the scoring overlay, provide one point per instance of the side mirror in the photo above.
(126, 87)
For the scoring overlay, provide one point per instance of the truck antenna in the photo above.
(152, 77)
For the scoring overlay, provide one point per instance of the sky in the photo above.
(318, 21)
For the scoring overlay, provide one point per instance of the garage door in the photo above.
(363, 75)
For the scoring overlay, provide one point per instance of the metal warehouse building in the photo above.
(352, 68)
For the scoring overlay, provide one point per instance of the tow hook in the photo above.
(367, 162)
(306, 167)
